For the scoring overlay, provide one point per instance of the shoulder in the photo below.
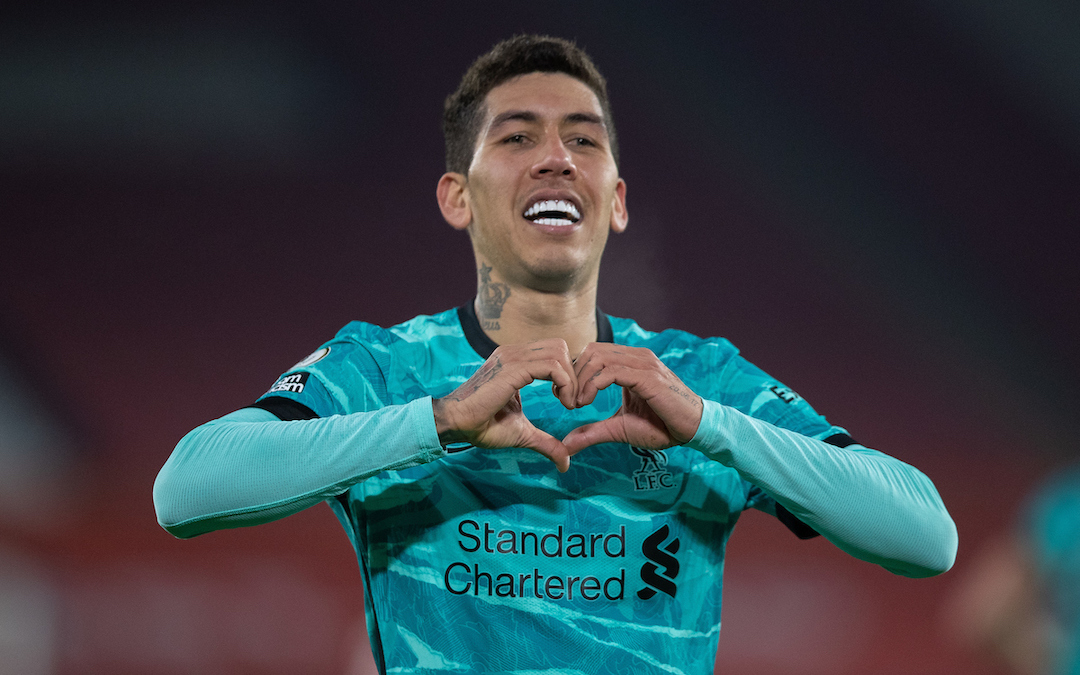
(355, 370)
(417, 330)
(710, 357)
(426, 349)
(426, 327)
(366, 349)
(673, 345)
(714, 368)
(326, 380)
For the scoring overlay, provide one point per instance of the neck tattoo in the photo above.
(491, 297)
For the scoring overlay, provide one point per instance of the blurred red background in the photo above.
(877, 204)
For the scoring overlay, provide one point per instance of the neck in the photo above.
(517, 314)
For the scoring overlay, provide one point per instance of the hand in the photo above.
(657, 412)
(485, 411)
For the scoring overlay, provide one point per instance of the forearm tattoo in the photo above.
(485, 374)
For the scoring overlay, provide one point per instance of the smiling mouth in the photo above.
(557, 212)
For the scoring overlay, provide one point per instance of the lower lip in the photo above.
(548, 228)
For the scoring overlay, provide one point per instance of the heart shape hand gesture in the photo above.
(658, 410)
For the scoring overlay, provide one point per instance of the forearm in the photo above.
(873, 506)
(249, 467)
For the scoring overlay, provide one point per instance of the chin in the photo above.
(557, 278)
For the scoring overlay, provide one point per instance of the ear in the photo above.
(619, 216)
(450, 193)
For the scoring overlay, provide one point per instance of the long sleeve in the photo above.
(249, 467)
(869, 504)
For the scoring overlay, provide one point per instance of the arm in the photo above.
(870, 505)
(249, 467)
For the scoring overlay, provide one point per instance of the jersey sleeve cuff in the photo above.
(422, 421)
(709, 439)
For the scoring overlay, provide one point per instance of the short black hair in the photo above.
(519, 55)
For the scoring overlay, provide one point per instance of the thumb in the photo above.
(594, 433)
(548, 446)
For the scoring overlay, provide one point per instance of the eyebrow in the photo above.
(587, 118)
(530, 116)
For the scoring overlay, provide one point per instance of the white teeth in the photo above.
(553, 221)
(559, 206)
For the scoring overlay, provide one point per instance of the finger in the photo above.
(604, 431)
(598, 358)
(568, 392)
(601, 357)
(625, 376)
(565, 385)
(563, 382)
(585, 369)
(675, 405)
(471, 408)
(584, 357)
(588, 389)
(550, 447)
(620, 428)
(550, 360)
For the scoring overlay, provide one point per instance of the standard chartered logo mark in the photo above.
(511, 562)
(535, 576)
(660, 556)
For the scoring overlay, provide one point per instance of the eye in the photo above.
(516, 138)
(582, 142)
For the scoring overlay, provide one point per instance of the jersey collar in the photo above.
(483, 345)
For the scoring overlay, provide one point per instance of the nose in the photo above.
(555, 159)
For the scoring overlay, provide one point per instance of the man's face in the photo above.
(543, 190)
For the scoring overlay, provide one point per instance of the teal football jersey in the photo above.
(491, 560)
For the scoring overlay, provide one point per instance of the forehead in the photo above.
(547, 95)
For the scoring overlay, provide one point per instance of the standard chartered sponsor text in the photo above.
(529, 580)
